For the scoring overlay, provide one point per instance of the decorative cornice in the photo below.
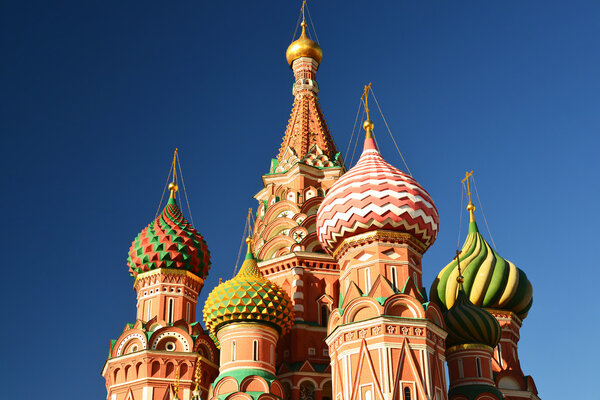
(468, 346)
(378, 235)
(166, 271)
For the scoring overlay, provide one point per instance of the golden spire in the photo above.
(173, 185)
(470, 206)
(368, 124)
(303, 46)
(249, 238)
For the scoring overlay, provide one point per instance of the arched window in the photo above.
(170, 311)
(407, 395)
(188, 312)
(324, 314)
(367, 279)
(233, 350)
(255, 350)
(307, 390)
(478, 363)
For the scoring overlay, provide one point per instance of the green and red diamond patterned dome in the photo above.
(170, 241)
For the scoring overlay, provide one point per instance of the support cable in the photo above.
(163, 193)
(390, 132)
(482, 213)
(185, 192)
(353, 129)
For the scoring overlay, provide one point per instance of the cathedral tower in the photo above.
(246, 316)
(289, 254)
(385, 340)
(501, 288)
(156, 356)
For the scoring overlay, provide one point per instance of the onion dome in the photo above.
(490, 280)
(468, 324)
(249, 297)
(169, 241)
(303, 47)
(375, 195)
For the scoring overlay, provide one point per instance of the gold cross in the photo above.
(466, 178)
(302, 9)
(365, 97)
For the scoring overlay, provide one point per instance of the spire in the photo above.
(197, 380)
(173, 185)
(470, 206)
(250, 267)
(368, 124)
(307, 138)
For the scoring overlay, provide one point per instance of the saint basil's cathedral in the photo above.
(329, 303)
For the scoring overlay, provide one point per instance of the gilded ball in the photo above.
(368, 125)
(470, 207)
(173, 186)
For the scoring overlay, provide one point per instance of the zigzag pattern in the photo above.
(169, 241)
(376, 195)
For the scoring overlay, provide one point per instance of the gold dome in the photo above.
(303, 47)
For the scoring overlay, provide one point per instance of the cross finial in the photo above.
(173, 185)
(365, 98)
(249, 239)
(470, 206)
(466, 178)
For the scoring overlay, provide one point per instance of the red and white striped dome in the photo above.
(375, 195)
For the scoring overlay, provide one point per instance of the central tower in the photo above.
(288, 251)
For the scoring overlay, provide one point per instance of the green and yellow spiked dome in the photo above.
(249, 297)
(468, 324)
(490, 281)
(170, 241)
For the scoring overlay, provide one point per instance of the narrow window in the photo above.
(394, 278)
(255, 350)
(415, 278)
(407, 395)
(233, 350)
(149, 310)
(499, 348)
(324, 314)
(367, 279)
(461, 373)
(187, 312)
(478, 363)
(170, 311)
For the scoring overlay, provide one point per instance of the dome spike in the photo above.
(173, 185)
(470, 206)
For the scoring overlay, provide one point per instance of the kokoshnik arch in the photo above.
(329, 303)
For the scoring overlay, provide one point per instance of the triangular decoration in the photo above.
(352, 293)
(365, 361)
(410, 288)
(129, 395)
(381, 288)
(307, 367)
(407, 367)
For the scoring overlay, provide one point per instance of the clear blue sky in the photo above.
(96, 95)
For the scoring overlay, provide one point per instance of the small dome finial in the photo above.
(173, 185)
(303, 46)
(470, 206)
(368, 124)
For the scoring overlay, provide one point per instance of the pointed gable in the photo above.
(408, 370)
(365, 374)
(381, 288)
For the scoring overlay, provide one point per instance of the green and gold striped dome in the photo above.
(490, 280)
(468, 324)
(249, 297)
